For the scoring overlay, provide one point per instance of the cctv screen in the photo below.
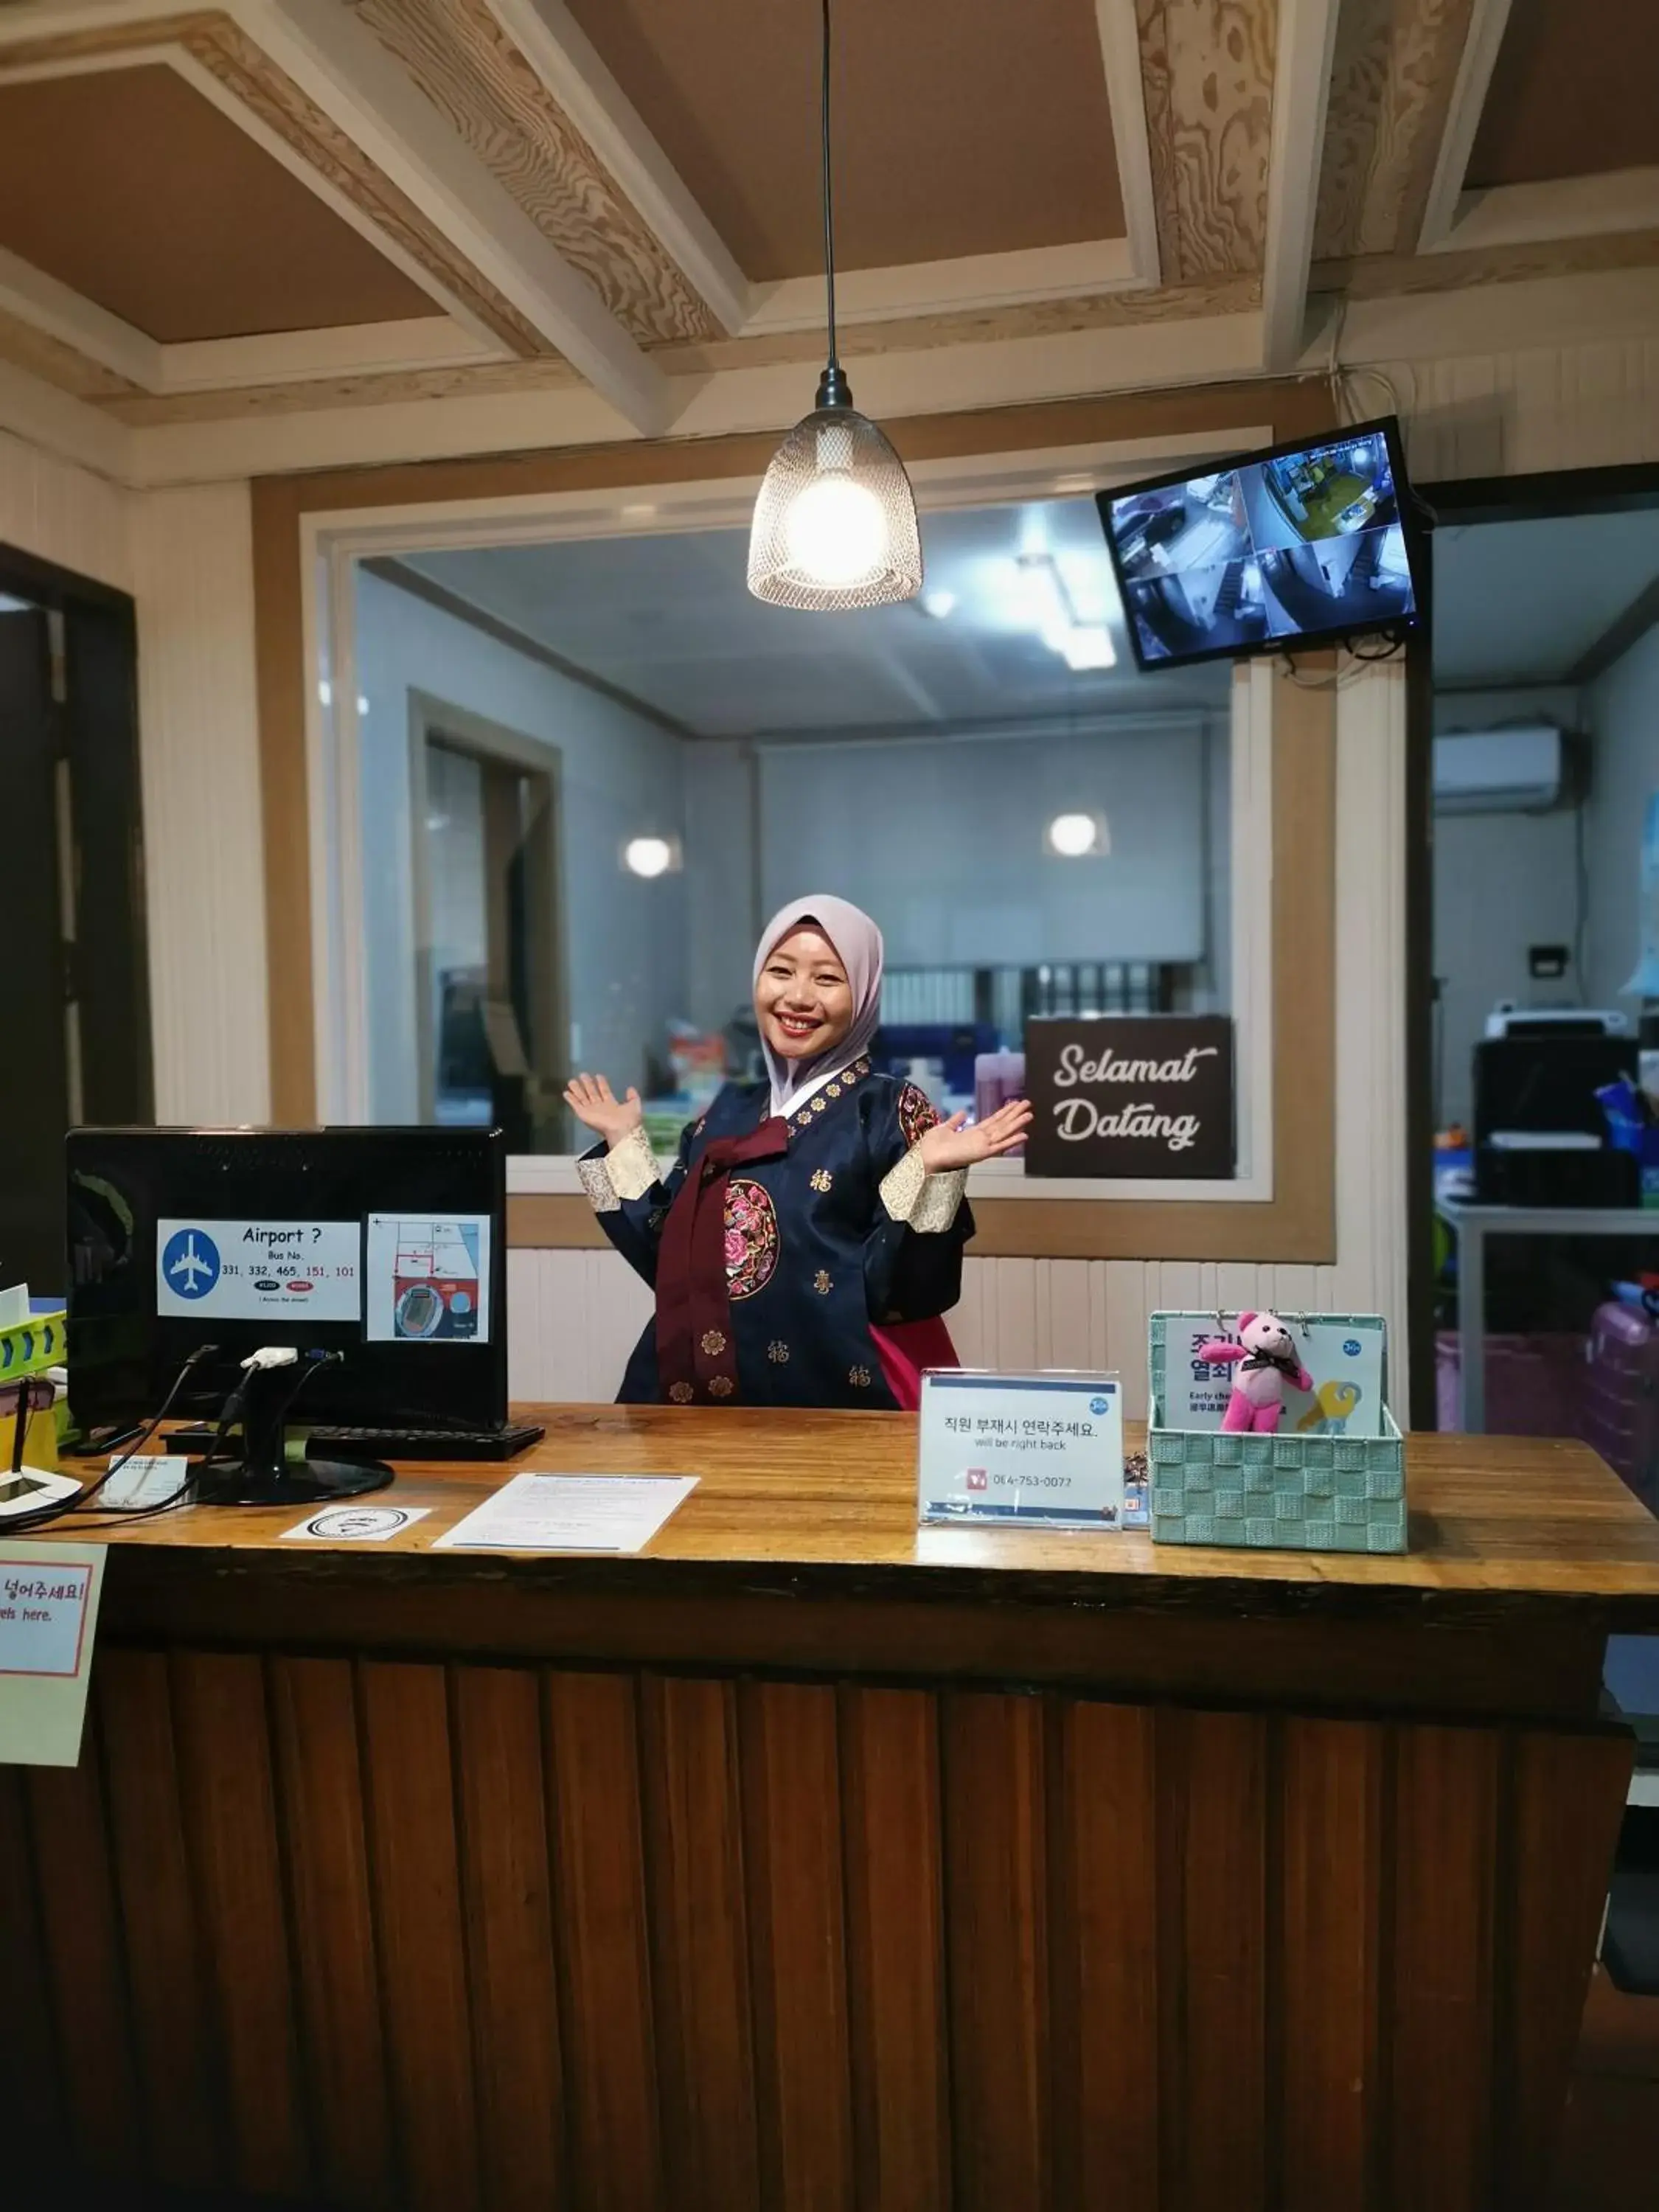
(1305, 544)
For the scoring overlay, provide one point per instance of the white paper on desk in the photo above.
(571, 1513)
(48, 1614)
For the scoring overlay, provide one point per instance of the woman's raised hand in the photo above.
(594, 1104)
(954, 1143)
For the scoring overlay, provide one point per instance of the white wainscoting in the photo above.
(64, 514)
(203, 832)
(1586, 406)
(575, 1316)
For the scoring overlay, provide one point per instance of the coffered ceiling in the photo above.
(178, 223)
(1573, 94)
(554, 221)
(961, 126)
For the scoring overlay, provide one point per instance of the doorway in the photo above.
(488, 943)
(76, 1011)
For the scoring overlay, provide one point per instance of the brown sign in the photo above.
(1131, 1095)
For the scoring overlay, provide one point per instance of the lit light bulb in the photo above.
(1073, 835)
(648, 856)
(836, 532)
(1088, 644)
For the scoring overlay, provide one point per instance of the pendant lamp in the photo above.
(836, 521)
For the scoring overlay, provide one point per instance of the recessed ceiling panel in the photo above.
(669, 619)
(1575, 93)
(961, 126)
(133, 190)
(1525, 602)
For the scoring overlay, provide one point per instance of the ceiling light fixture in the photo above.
(1080, 645)
(1088, 645)
(835, 522)
(1076, 836)
(650, 857)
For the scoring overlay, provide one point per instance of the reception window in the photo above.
(585, 770)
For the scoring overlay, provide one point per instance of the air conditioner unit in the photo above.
(1514, 771)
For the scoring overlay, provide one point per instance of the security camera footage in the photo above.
(1308, 544)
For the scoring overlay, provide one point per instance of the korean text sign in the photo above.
(1012, 1449)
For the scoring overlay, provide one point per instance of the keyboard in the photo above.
(352, 1444)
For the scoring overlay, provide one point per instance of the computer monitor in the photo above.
(387, 1247)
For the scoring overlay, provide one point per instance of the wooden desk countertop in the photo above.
(824, 1504)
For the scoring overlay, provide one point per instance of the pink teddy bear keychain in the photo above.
(1266, 1361)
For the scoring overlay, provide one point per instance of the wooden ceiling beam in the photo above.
(1488, 20)
(1392, 79)
(1206, 70)
(1302, 84)
(63, 315)
(1125, 95)
(565, 61)
(340, 66)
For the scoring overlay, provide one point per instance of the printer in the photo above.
(1540, 1137)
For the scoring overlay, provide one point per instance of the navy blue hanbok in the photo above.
(783, 1249)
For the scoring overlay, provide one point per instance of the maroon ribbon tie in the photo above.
(697, 1358)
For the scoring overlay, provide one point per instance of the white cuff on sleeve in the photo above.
(926, 1203)
(628, 1172)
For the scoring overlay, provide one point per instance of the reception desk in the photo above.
(812, 1859)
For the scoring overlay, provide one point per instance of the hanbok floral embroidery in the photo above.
(751, 1238)
(916, 1113)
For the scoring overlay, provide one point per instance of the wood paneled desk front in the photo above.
(813, 1860)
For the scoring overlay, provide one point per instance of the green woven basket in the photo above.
(1301, 1493)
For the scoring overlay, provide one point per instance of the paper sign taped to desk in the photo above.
(48, 1613)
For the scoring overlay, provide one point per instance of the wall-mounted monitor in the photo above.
(1303, 545)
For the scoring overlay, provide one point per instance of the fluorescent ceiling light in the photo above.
(1045, 597)
(1080, 645)
(1089, 646)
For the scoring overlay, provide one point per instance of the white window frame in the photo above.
(332, 543)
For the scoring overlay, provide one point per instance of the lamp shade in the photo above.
(836, 521)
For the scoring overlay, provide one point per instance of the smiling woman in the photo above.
(819, 1275)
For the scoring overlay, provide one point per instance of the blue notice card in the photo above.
(1023, 1451)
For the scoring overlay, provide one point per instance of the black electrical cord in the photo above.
(120, 1517)
(42, 1515)
(829, 197)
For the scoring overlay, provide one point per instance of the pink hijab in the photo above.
(858, 941)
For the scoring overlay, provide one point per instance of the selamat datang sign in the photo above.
(1132, 1095)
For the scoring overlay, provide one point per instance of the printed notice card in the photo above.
(1023, 1451)
(48, 1612)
